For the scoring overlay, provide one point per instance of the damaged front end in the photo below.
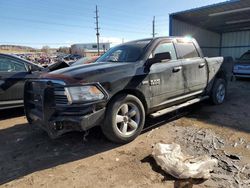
(59, 108)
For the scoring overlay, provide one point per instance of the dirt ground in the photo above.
(28, 158)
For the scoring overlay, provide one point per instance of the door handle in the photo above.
(177, 69)
(202, 65)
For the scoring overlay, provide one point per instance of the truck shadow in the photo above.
(11, 113)
(234, 113)
(26, 149)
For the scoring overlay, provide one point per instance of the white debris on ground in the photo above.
(170, 158)
(232, 170)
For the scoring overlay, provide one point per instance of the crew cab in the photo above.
(148, 77)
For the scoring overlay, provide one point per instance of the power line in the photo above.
(77, 12)
(119, 23)
(123, 30)
(41, 21)
(69, 25)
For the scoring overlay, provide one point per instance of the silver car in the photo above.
(242, 66)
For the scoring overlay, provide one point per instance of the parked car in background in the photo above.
(61, 56)
(85, 60)
(14, 71)
(72, 57)
(130, 81)
(242, 66)
(62, 64)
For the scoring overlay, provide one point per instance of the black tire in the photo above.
(113, 129)
(219, 91)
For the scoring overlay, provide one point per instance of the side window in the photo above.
(11, 65)
(186, 50)
(116, 55)
(166, 47)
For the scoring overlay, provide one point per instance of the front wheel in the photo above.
(125, 118)
(219, 90)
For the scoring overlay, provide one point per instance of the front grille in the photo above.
(60, 96)
(36, 92)
(39, 92)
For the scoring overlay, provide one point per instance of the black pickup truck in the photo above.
(139, 78)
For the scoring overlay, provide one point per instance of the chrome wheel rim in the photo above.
(127, 119)
(221, 91)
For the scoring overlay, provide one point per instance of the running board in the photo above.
(176, 107)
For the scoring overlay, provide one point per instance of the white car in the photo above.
(242, 66)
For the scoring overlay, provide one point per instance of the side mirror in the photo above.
(30, 69)
(162, 56)
(159, 57)
(33, 68)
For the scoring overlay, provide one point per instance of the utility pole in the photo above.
(153, 27)
(97, 29)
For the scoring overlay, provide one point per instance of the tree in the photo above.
(45, 49)
(65, 50)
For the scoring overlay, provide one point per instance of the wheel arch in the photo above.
(133, 92)
(221, 75)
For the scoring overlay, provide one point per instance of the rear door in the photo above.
(12, 76)
(166, 78)
(194, 67)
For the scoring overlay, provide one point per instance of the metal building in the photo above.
(221, 29)
(89, 49)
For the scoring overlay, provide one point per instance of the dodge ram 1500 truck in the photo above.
(135, 79)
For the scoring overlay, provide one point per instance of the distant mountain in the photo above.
(16, 47)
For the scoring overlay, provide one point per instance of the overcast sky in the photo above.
(63, 22)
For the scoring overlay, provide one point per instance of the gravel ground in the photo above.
(28, 158)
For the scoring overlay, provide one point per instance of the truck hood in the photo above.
(95, 72)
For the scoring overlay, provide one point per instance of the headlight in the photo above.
(83, 94)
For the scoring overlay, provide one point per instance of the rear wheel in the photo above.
(219, 90)
(125, 118)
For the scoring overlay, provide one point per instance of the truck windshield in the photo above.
(129, 52)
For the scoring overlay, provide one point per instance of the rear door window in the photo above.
(186, 50)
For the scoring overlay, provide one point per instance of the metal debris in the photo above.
(230, 171)
(233, 157)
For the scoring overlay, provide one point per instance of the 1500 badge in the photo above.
(155, 82)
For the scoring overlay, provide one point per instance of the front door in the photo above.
(166, 78)
(12, 77)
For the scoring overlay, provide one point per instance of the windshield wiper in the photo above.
(114, 61)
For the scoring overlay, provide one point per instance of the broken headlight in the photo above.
(86, 93)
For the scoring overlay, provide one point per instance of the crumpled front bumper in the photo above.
(60, 125)
(44, 108)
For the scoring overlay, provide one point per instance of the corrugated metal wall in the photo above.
(235, 44)
(209, 41)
